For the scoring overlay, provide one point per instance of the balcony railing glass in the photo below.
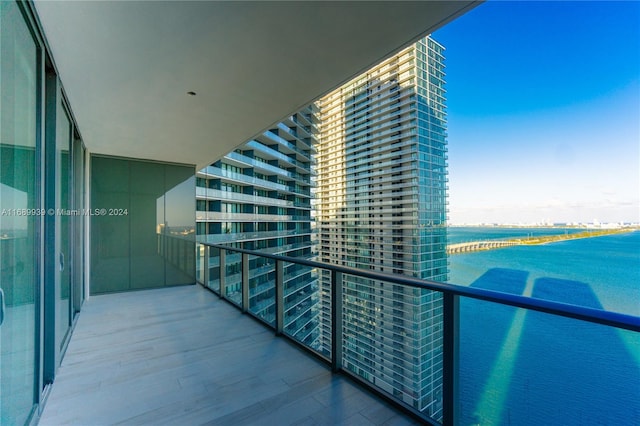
(530, 343)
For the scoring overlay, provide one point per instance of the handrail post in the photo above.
(450, 354)
(279, 297)
(336, 321)
(245, 282)
(223, 272)
(205, 265)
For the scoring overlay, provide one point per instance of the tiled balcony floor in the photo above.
(180, 356)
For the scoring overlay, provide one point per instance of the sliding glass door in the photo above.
(77, 226)
(42, 193)
(62, 225)
(19, 219)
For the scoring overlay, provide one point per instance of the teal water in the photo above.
(527, 368)
(609, 265)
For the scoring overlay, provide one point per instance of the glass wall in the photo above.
(179, 224)
(142, 224)
(110, 249)
(19, 267)
(147, 187)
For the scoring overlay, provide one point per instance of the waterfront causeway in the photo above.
(473, 246)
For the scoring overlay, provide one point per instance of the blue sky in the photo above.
(544, 112)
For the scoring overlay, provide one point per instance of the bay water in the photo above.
(520, 367)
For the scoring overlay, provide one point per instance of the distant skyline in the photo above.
(544, 107)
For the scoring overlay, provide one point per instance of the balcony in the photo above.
(182, 356)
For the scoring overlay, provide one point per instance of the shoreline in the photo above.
(495, 244)
(534, 241)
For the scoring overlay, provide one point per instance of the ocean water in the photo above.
(526, 368)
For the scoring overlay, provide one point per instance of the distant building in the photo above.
(381, 205)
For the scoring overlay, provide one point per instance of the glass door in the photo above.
(77, 224)
(63, 216)
(19, 218)
(57, 248)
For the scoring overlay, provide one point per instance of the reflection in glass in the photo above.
(18, 268)
(179, 224)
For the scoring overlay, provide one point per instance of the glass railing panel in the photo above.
(529, 368)
(234, 294)
(324, 294)
(392, 338)
(213, 263)
(232, 270)
(210, 265)
(200, 265)
(262, 281)
(302, 311)
(515, 366)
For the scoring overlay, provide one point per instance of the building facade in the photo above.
(259, 197)
(381, 205)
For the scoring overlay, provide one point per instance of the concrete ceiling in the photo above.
(126, 66)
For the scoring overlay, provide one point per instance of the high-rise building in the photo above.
(259, 197)
(381, 205)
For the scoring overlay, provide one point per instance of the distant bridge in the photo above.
(479, 245)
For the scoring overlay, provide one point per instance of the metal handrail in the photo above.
(597, 316)
(451, 294)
